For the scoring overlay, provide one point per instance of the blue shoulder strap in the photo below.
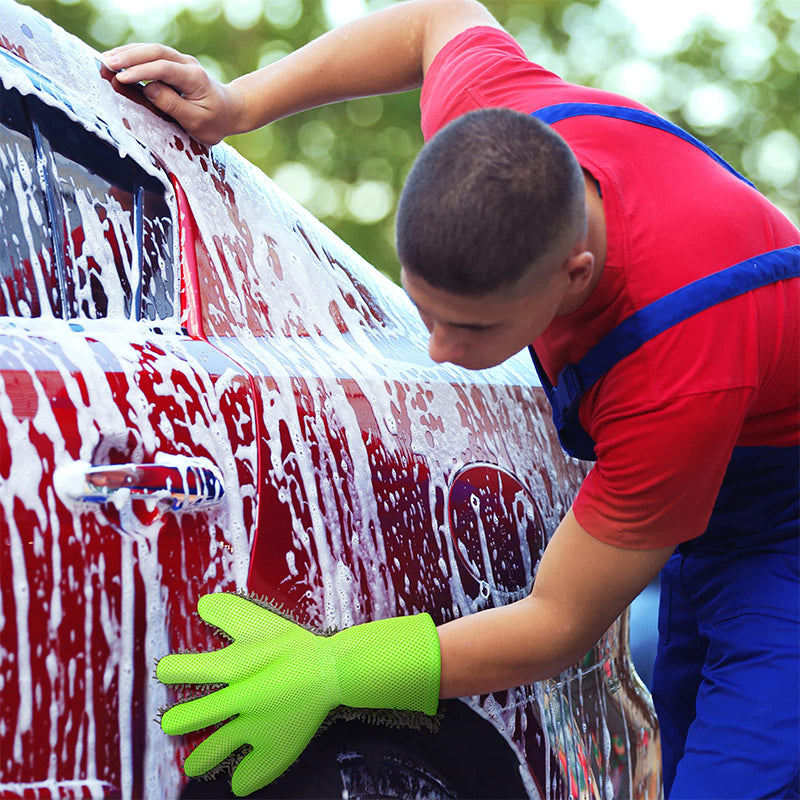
(556, 113)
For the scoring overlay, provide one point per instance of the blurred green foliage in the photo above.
(740, 92)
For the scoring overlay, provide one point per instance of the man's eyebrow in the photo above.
(470, 326)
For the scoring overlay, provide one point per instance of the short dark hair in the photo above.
(488, 197)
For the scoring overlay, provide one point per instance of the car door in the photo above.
(127, 456)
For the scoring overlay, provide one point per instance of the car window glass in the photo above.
(99, 241)
(28, 271)
(158, 279)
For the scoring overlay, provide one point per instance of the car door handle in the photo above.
(183, 483)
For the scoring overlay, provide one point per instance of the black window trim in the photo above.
(46, 183)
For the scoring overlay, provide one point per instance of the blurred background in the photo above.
(726, 70)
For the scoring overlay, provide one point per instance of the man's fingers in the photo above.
(129, 55)
(165, 98)
(186, 79)
(184, 112)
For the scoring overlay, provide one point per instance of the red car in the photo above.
(202, 389)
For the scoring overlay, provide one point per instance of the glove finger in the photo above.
(216, 748)
(231, 664)
(217, 666)
(240, 618)
(278, 746)
(200, 713)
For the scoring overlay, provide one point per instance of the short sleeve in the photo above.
(482, 67)
(659, 471)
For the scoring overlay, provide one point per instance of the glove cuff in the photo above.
(390, 663)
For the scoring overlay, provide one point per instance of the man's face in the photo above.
(482, 331)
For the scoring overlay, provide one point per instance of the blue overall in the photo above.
(726, 682)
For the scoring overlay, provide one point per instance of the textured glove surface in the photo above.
(283, 681)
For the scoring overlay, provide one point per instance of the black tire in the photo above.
(354, 760)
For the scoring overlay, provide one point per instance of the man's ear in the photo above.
(579, 268)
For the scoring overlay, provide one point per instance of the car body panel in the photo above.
(301, 375)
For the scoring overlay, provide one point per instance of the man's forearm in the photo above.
(380, 53)
(581, 587)
(503, 647)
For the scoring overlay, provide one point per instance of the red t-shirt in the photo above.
(665, 419)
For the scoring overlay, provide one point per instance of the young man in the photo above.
(604, 236)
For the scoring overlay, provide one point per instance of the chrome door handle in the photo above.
(183, 483)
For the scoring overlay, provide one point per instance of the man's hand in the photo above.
(181, 88)
(282, 682)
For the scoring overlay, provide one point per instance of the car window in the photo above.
(28, 272)
(98, 239)
(157, 275)
(110, 244)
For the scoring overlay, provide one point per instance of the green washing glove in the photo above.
(283, 681)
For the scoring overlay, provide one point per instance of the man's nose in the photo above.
(443, 347)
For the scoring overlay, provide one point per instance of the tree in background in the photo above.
(346, 163)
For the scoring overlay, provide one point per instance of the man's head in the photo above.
(496, 195)
(491, 223)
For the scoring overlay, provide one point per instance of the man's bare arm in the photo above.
(384, 52)
(582, 586)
